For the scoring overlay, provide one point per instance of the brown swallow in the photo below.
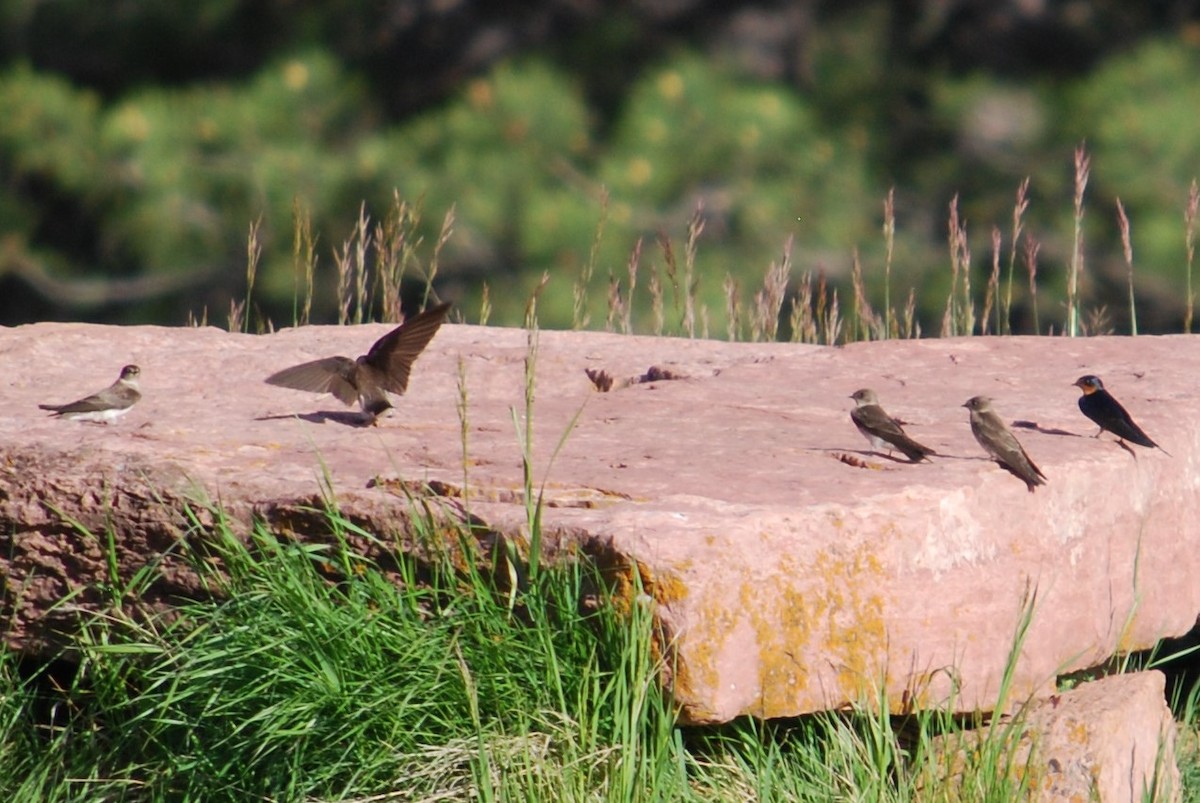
(881, 430)
(996, 438)
(106, 406)
(1099, 405)
(368, 379)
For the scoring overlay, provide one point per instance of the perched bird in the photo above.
(996, 438)
(881, 430)
(1099, 405)
(107, 405)
(384, 368)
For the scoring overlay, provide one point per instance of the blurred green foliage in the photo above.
(166, 179)
(1138, 112)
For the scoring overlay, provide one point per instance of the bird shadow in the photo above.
(343, 417)
(895, 458)
(904, 461)
(1036, 427)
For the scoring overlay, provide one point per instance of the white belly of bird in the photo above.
(99, 416)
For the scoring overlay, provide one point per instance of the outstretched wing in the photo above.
(393, 354)
(331, 375)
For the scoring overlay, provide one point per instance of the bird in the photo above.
(105, 406)
(1099, 405)
(368, 379)
(881, 430)
(998, 441)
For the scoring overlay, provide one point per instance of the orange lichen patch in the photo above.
(830, 609)
(1077, 733)
(692, 673)
(840, 616)
(664, 588)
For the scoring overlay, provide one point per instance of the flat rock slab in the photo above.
(1107, 740)
(1110, 740)
(792, 569)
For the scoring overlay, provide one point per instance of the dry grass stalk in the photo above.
(656, 293)
(304, 259)
(345, 277)
(580, 317)
(531, 303)
(1031, 248)
(889, 244)
(394, 251)
(362, 243)
(993, 286)
(239, 312)
(733, 312)
(464, 433)
(804, 327)
(691, 281)
(1022, 204)
(1082, 170)
(235, 317)
(1127, 246)
(670, 268)
(833, 322)
(959, 317)
(635, 257)
(1189, 219)
(614, 302)
(912, 328)
(827, 321)
(485, 305)
(821, 301)
(387, 270)
(866, 322)
(949, 314)
(435, 259)
(768, 302)
(383, 241)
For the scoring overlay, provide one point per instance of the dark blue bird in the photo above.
(1099, 405)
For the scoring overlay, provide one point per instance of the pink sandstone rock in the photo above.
(1109, 740)
(786, 578)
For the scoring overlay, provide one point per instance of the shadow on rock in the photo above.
(343, 417)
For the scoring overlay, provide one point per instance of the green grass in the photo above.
(311, 673)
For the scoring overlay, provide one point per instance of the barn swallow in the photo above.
(1099, 405)
(881, 430)
(996, 438)
(107, 405)
(367, 379)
